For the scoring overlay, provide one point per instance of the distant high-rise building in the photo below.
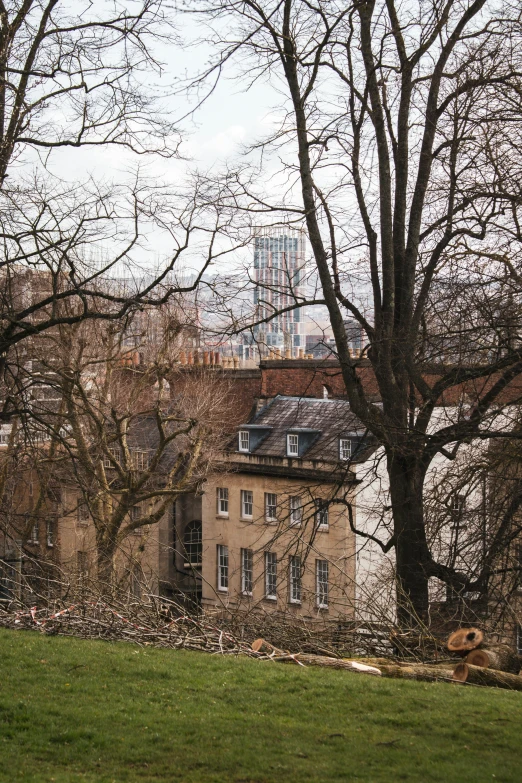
(279, 275)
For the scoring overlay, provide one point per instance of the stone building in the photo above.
(273, 527)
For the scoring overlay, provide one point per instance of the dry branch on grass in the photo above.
(163, 623)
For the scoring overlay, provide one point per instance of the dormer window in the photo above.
(292, 445)
(345, 449)
(244, 440)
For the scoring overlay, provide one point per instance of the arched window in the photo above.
(193, 542)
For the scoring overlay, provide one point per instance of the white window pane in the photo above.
(292, 445)
(321, 580)
(270, 575)
(296, 510)
(247, 503)
(270, 506)
(247, 571)
(321, 514)
(222, 500)
(222, 567)
(295, 580)
(345, 448)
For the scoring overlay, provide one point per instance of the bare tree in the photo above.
(115, 428)
(78, 77)
(400, 139)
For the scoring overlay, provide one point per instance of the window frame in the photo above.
(320, 591)
(342, 455)
(244, 437)
(222, 497)
(115, 453)
(295, 580)
(270, 575)
(245, 503)
(269, 505)
(222, 568)
(294, 508)
(247, 572)
(140, 459)
(322, 510)
(289, 452)
(194, 546)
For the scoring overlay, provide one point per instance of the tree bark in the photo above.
(332, 663)
(499, 657)
(105, 566)
(411, 547)
(476, 675)
(418, 672)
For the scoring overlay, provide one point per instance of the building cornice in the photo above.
(292, 469)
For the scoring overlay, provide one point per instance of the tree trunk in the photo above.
(105, 565)
(500, 657)
(331, 663)
(465, 672)
(419, 672)
(411, 548)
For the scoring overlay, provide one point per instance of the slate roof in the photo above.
(321, 421)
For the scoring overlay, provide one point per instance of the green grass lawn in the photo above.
(73, 710)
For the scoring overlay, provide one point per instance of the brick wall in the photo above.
(241, 388)
(309, 377)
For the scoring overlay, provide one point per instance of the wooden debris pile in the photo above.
(320, 636)
(168, 625)
(475, 663)
(484, 663)
(146, 624)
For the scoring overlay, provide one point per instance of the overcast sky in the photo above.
(228, 118)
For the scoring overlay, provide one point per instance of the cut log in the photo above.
(372, 661)
(262, 646)
(465, 639)
(418, 671)
(334, 663)
(479, 658)
(476, 675)
(397, 671)
(498, 656)
(460, 672)
(449, 663)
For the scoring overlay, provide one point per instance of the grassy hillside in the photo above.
(73, 710)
